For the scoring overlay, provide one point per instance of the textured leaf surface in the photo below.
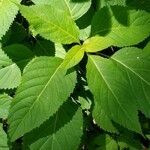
(8, 11)
(128, 27)
(10, 74)
(110, 81)
(5, 102)
(45, 20)
(73, 57)
(3, 139)
(39, 92)
(63, 130)
(74, 8)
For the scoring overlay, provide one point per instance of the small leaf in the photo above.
(3, 139)
(44, 88)
(73, 57)
(51, 23)
(5, 102)
(60, 51)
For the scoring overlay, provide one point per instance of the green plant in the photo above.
(74, 74)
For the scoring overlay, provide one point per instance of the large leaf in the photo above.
(3, 139)
(74, 8)
(10, 74)
(128, 27)
(5, 102)
(121, 85)
(63, 130)
(44, 87)
(8, 11)
(51, 23)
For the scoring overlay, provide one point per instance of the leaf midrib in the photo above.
(109, 88)
(131, 70)
(38, 97)
(52, 24)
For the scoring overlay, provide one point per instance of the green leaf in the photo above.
(10, 74)
(115, 84)
(51, 23)
(63, 130)
(85, 103)
(3, 139)
(5, 102)
(60, 51)
(73, 57)
(128, 27)
(44, 88)
(74, 8)
(8, 11)
(97, 43)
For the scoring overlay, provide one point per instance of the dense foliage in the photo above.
(74, 74)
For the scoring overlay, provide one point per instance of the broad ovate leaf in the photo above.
(10, 74)
(44, 88)
(73, 57)
(75, 9)
(63, 130)
(51, 23)
(121, 84)
(5, 102)
(128, 27)
(8, 11)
